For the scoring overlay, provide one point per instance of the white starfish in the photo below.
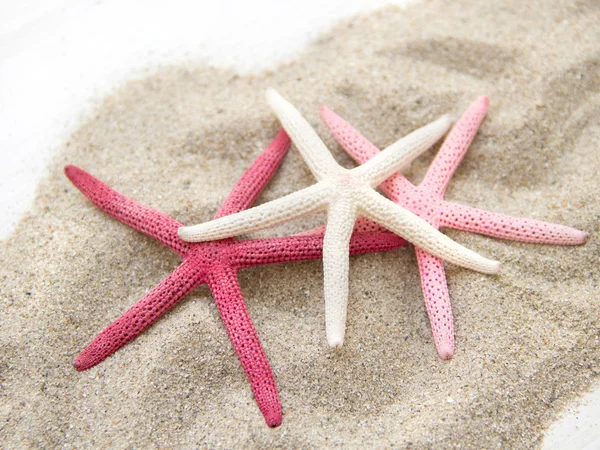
(345, 194)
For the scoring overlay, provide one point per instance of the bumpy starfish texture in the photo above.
(427, 201)
(214, 263)
(345, 194)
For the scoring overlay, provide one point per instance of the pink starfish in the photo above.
(427, 201)
(214, 263)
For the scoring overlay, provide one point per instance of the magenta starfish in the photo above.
(214, 263)
(427, 201)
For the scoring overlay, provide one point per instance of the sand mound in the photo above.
(527, 340)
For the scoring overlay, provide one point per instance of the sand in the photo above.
(527, 340)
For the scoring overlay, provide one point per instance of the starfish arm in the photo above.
(362, 225)
(381, 166)
(317, 156)
(500, 226)
(267, 215)
(224, 284)
(139, 217)
(416, 230)
(340, 222)
(256, 177)
(361, 150)
(319, 230)
(374, 241)
(304, 247)
(455, 146)
(258, 252)
(141, 315)
(437, 302)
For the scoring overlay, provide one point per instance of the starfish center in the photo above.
(204, 255)
(348, 182)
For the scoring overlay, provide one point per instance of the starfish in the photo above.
(345, 194)
(213, 263)
(427, 201)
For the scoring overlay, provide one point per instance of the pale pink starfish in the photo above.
(427, 201)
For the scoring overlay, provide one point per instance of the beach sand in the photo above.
(527, 340)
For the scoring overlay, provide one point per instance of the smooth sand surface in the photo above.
(527, 340)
